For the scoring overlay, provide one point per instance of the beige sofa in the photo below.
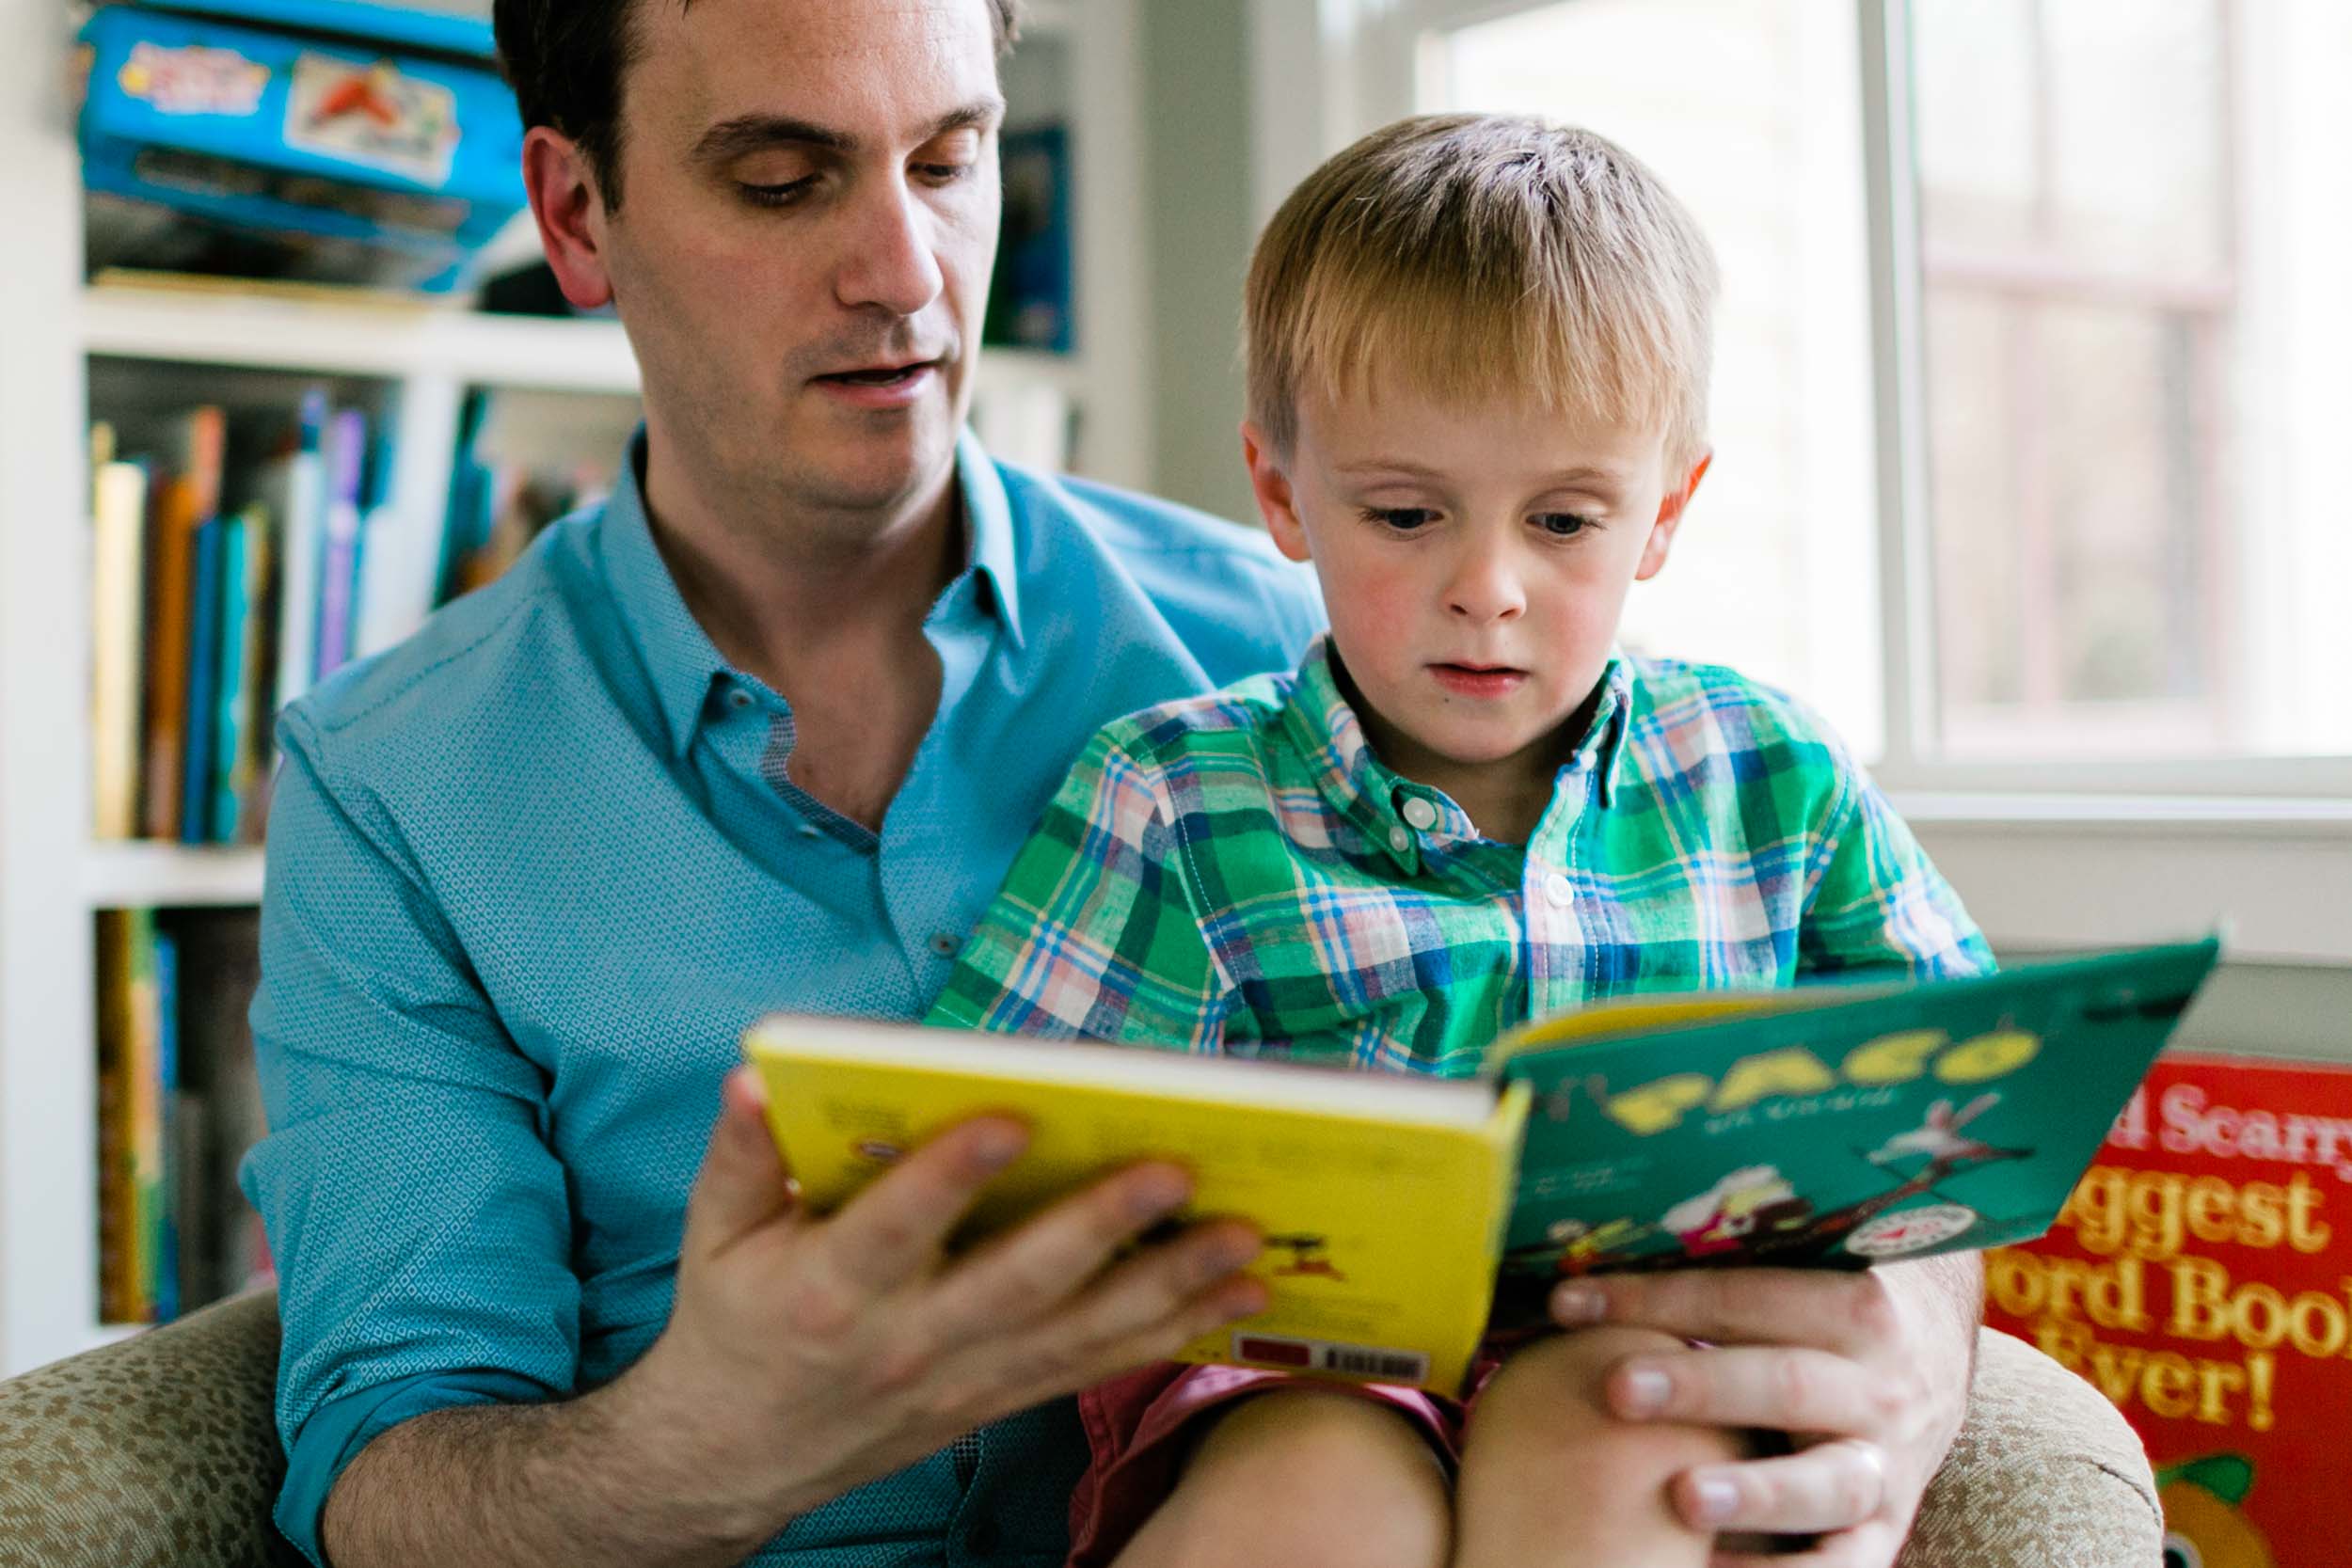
(159, 1453)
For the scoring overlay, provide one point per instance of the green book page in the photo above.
(1830, 1127)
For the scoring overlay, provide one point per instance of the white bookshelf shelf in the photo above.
(365, 335)
(53, 325)
(132, 876)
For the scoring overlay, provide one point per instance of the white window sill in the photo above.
(2092, 871)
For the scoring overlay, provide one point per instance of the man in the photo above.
(763, 733)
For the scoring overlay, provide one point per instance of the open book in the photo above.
(1405, 1217)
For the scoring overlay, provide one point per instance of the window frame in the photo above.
(2139, 848)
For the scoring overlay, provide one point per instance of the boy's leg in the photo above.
(1301, 1478)
(1551, 1479)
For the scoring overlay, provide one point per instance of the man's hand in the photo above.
(808, 1356)
(1869, 1373)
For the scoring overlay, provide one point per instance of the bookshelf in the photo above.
(60, 335)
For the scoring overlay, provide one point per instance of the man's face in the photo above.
(802, 253)
(1475, 562)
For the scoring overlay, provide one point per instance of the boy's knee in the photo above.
(1305, 1477)
(1571, 1368)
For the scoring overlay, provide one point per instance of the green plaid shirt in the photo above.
(1240, 873)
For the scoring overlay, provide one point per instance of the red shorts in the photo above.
(1135, 1438)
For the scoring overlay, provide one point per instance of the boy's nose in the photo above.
(1485, 589)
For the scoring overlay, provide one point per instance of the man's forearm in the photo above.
(605, 1479)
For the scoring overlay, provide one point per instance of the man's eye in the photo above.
(776, 196)
(1404, 519)
(943, 174)
(1564, 525)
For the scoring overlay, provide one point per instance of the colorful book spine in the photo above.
(230, 687)
(302, 531)
(164, 1255)
(119, 548)
(183, 503)
(203, 690)
(148, 1019)
(339, 560)
(116, 1211)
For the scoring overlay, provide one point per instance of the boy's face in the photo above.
(1474, 560)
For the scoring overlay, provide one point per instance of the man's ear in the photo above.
(569, 209)
(1671, 508)
(1271, 484)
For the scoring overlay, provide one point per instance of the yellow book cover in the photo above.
(1382, 1197)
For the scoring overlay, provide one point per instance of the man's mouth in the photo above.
(881, 375)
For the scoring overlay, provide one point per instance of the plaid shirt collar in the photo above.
(1394, 811)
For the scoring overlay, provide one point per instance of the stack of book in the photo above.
(178, 1105)
(240, 556)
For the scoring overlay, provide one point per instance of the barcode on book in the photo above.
(1323, 1356)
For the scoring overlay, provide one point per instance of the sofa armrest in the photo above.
(162, 1452)
(158, 1452)
(2045, 1474)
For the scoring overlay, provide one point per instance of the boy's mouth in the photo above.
(1478, 680)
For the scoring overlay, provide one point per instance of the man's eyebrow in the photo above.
(732, 138)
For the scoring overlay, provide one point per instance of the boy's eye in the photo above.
(1566, 525)
(1404, 519)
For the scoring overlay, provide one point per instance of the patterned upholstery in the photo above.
(159, 1453)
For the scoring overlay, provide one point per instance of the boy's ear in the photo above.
(1271, 485)
(1670, 509)
(569, 210)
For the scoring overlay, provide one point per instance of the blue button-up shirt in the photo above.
(530, 875)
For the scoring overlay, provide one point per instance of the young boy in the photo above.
(1478, 355)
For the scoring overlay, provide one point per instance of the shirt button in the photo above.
(810, 830)
(738, 699)
(1399, 840)
(947, 943)
(1421, 813)
(1557, 888)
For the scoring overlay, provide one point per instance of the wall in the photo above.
(1196, 137)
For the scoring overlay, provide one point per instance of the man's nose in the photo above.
(890, 263)
(1486, 585)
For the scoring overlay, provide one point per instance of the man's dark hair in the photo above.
(565, 58)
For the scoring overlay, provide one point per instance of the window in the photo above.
(2112, 550)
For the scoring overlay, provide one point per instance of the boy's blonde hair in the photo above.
(1481, 257)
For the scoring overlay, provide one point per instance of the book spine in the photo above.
(168, 1153)
(339, 561)
(119, 523)
(196, 787)
(248, 775)
(183, 504)
(303, 529)
(230, 688)
(149, 1015)
(115, 1209)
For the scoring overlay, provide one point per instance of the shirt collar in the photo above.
(1380, 801)
(679, 656)
(988, 527)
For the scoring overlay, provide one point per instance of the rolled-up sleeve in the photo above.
(419, 1219)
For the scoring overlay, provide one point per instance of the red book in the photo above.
(2201, 1277)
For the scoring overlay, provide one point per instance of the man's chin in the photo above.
(868, 470)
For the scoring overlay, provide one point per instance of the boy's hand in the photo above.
(1869, 1373)
(805, 1357)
